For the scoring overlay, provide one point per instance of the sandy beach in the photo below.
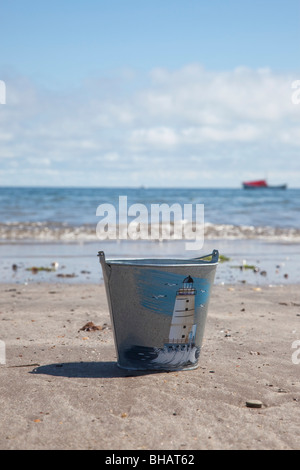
(60, 386)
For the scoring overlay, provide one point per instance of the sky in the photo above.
(168, 93)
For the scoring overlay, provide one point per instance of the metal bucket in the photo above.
(158, 309)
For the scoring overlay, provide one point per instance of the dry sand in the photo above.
(61, 388)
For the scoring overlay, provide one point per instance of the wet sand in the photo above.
(60, 387)
(275, 263)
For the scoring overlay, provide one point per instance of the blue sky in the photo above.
(115, 92)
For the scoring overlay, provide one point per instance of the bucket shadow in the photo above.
(94, 370)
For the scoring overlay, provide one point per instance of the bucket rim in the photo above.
(161, 262)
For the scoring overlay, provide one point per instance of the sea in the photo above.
(55, 231)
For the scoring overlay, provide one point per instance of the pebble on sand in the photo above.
(254, 404)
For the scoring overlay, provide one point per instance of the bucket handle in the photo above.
(214, 257)
(105, 267)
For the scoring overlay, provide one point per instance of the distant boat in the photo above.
(261, 184)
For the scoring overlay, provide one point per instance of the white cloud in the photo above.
(155, 137)
(243, 120)
(112, 156)
(238, 133)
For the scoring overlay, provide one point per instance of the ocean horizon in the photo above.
(45, 227)
(69, 214)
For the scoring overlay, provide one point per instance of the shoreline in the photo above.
(275, 263)
(61, 388)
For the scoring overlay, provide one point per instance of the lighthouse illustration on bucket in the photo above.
(183, 327)
(179, 349)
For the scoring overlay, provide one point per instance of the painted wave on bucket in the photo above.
(173, 356)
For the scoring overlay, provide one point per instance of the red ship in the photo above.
(261, 184)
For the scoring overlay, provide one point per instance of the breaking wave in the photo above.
(62, 232)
